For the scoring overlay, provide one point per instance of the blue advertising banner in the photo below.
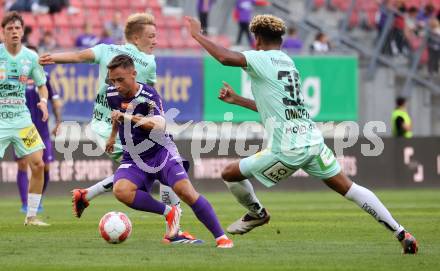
(179, 82)
(77, 85)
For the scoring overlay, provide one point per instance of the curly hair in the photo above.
(269, 27)
(136, 22)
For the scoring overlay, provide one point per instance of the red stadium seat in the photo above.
(121, 4)
(173, 22)
(29, 20)
(77, 3)
(45, 21)
(87, 5)
(107, 4)
(160, 22)
(162, 42)
(318, 3)
(61, 20)
(65, 41)
(34, 38)
(154, 5)
(95, 19)
(343, 4)
(77, 21)
(139, 5)
(223, 41)
(192, 44)
(371, 18)
(354, 19)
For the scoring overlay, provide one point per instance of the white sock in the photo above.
(368, 201)
(33, 203)
(221, 237)
(245, 195)
(168, 196)
(97, 189)
(167, 210)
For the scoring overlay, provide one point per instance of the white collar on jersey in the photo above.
(139, 90)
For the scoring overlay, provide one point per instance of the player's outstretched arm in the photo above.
(67, 57)
(223, 55)
(228, 95)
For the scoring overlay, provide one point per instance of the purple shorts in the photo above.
(171, 169)
(47, 152)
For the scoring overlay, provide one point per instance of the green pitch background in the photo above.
(308, 231)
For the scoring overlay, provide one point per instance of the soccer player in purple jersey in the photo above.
(32, 99)
(150, 153)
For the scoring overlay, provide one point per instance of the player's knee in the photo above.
(186, 192)
(37, 165)
(22, 164)
(122, 192)
(228, 172)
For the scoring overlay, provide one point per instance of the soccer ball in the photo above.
(115, 227)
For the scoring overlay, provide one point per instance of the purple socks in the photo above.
(23, 184)
(205, 213)
(143, 201)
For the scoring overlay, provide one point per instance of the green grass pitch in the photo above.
(308, 231)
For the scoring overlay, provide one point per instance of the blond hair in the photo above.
(136, 22)
(269, 27)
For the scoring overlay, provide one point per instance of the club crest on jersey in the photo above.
(2, 70)
(23, 79)
(126, 106)
(25, 69)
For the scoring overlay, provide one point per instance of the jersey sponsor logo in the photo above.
(23, 79)
(12, 101)
(101, 99)
(299, 129)
(112, 94)
(278, 172)
(30, 137)
(8, 87)
(3, 69)
(122, 166)
(17, 94)
(281, 62)
(9, 115)
(13, 77)
(97, 115)
(135, 58)
(326, 158)
(126, 106)
(293, 113)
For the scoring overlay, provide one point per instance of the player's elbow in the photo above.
(155, 123)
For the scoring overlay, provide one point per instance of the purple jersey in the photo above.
(244, 9)
(32, 99)
(146, 103)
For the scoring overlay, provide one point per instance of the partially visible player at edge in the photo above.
(295, 141)
(17, 64)
(32, 100)
(140, 33)
(138, 117)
